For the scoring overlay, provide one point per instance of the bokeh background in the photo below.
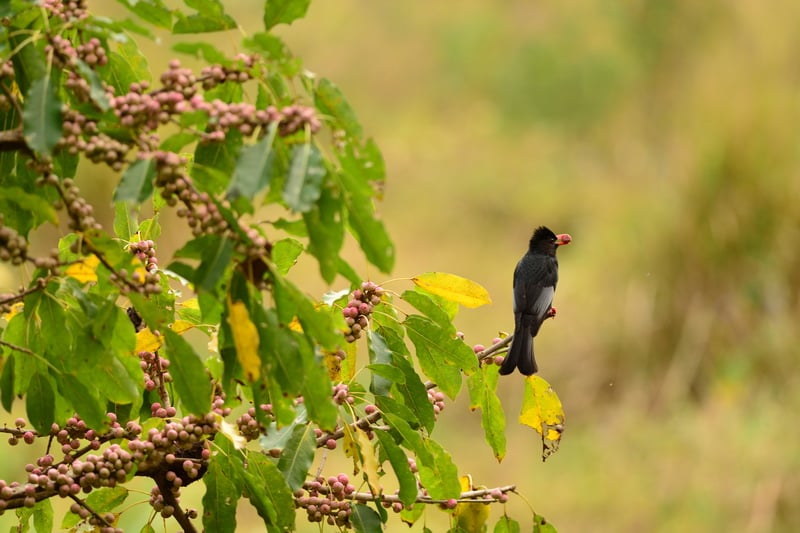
(663, 136)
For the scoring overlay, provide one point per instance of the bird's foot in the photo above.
(551, 313)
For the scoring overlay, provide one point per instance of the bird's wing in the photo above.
(543, 302)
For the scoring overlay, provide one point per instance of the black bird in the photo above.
(535, 280)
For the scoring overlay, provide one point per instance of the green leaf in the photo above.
(210, 16)
(316, 390)
(284, 11)
(365, 519)
(383, 372)
(223, 490)
(205, 51)
(325, 229)
(40, 402)
(399, 462)
(430, 308)
(317, 325)
(7, 383)
(34, 206)
(136, 184)
(188, 373)
(414, 393)
(42, 116)
(83, 400)
(482, 386)
(540, 525)
(410, 437)
(367, 229)
(439, 477)
(306, 172)
(507, 525)
(297, 456)
(126, 65)
(124, 221)
(202, 24)
(253, 167)
(43, 516)
(441, 355)
(330, 100)
(215, 261)
(285, 253)
(152, 11)
(266, 488)
(97, 92)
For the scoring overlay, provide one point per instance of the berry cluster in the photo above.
(13, 246)
(359, 308)
(67, 11)
(341, 394)
(167, 509)
(179, 446)
(326, 499)
(155, 372)
(81, 135)
(437, 399)
(249, 426)
(146, 252)
(216, 74)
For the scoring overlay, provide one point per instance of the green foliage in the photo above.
(221, 366)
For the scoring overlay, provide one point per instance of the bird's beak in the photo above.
(563, 239)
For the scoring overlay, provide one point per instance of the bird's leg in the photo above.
(551, 313)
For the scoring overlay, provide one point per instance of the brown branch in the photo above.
(165, 487)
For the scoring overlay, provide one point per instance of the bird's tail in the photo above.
(520, 353)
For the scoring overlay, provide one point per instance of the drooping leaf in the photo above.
(297, 456)
(471, 517)
(34, 206)
(482, 387)
(369, 460)
(441, 355)
(42, 116)
(188, 373)
(136, 184)
(325, 228)
(285, 253)
(439, 477)
(127, 64)
(253, 167)
(269, 493)
(43, 516)
(542, 411)
(214, 261)
(223, 489)
(507, 525)
(201, 50)
(124, 221)
(283, 11)
(40, 402)
(330, 100)
(414, 393)
(365, 519)
(402, 470)
(306, 172)
(245, 339)
(454, 288)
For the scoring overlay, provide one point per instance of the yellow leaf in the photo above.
(16, 308)
(232, 432)
(542, 410)
(369, 461)
(349, 446)
(147, 341)
(181, 326)
(84, 270)
(341, 368)
(191, 303)
(454, 288)
(245, 339)
(295, 325)
(471, 517)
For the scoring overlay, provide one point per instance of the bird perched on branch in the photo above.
(535, 280)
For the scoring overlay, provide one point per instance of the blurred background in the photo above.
(663, 136)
